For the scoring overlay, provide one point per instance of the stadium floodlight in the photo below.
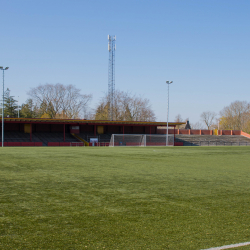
(168, 82)
(18, 107)
(3, 69)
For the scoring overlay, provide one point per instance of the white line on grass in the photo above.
(229, 246)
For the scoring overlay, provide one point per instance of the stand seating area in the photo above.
(56, 139)
(17, 137)
(212, 140)
(45, 138)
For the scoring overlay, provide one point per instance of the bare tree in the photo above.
(127, 107)
(236, 116)
(178, 118)
(197, 125)
(55, 99)
(208, 118)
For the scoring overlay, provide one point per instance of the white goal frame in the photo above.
(141, 140)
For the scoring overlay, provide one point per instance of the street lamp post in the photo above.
(168, 82)
(18, 106)
(3, 69)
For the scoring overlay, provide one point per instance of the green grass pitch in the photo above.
(124, 198)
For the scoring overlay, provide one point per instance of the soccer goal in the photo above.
(141, 140)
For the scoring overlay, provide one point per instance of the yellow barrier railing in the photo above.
(79, 138)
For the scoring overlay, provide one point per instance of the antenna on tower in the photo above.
(111, 75)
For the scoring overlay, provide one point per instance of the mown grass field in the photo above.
(124, 198)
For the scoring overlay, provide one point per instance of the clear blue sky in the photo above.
(203, 46)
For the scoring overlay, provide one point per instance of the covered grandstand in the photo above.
(68, 132)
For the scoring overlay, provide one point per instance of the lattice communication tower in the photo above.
(111, 77)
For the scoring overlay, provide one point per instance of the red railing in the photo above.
(99, 144)
(22, 144)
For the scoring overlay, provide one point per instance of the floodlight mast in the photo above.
(18, 107)
(111, 75)
(3, 69)
(168, 82)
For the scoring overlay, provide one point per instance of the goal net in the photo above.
(159, 140)
(141, 140)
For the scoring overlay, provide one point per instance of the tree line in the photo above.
(235, 116)
(127, 107)
(66, 102)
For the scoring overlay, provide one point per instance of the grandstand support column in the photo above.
(150, 133)
(31, 132)
(174, 133)
(123, 131)
(94, 130)
(64, 132)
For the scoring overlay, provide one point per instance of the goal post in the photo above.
(126, 140)
(142, 140)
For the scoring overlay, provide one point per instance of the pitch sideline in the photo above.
(229, 246)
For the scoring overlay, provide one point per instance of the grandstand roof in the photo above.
(87, 122)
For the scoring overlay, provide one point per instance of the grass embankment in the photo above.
(124, 198)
